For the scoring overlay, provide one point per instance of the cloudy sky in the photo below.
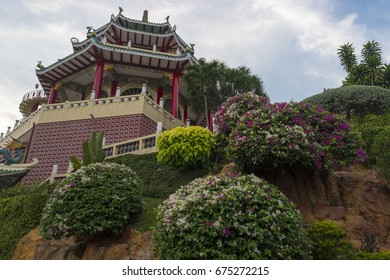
(291, 44)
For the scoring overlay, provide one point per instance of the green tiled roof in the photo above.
(9, 177)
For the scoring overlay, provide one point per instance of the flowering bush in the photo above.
(230, 111)
(230, 217)
(188, 147)
(284, 135)
(100, 197)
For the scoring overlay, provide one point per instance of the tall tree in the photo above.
(370, 70)
(347, 56)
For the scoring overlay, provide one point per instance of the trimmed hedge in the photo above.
(160, 180)
(353, 100)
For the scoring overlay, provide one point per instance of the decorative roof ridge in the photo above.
(114, 23)
(119, 48)
(143, 22)
(124, 49)
(66, 58)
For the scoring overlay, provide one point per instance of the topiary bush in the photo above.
(230, 111)
(188, 147)
(98, 198)
(230, 217)
(330, 241)
(381, 151)
(356, 100)
(293, 134)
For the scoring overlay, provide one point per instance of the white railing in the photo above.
(141, 145)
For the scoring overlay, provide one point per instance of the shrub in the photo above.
(20, 211)
(330, 241)
(100, 197)
(287, 135)
(230, 111)
(361, 255)
(353, 100)
(188, 147)
(160, 180)
(381, 151)
(236, 217)
(369, 127)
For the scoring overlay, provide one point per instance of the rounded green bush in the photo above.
(330, 241)
(355, 100)
(100, 197)
(188, 147)
(230, 217)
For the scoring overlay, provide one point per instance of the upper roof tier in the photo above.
(123, 41)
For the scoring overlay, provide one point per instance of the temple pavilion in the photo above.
(123, 78)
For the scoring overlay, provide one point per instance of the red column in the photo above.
(53, 94)
(114, 85)
(211, 125)
(185, 113)
(159, 94)
(175, 94)
(97, 85)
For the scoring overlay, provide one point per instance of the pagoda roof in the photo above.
(121, 29)
(112, 54)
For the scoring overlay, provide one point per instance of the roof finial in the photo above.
(145, 16)
(120, 10)
(167, 18)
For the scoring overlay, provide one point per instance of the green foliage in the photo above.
(353, 100)
(148, 218)
(330, 241)
(100, 197)
(20, 211)
(284, 135)
(369, 126)
(236, 217)
(370, 71)
(160, 180)
(361, 255)
(381, 151)
(92, 151)
(211, 83)
(188, 147)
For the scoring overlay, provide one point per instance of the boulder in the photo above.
(129, 244)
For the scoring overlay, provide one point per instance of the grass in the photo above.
(147, 220)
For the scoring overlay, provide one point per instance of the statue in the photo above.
(18, 148)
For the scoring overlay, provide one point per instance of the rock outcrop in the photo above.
(355, 198)
(130, 244)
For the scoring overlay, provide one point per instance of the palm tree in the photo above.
(201, 80)
(371, 49)
(347, 56)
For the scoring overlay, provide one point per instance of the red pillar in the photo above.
(159, 94)
(211, 125)
(175, 94)
(97, 85)
(185, 113)
(114, 85)
(53, 94)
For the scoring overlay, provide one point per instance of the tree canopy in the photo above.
(370, 71)
(209, 84)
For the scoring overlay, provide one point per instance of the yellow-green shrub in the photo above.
(188, 147)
